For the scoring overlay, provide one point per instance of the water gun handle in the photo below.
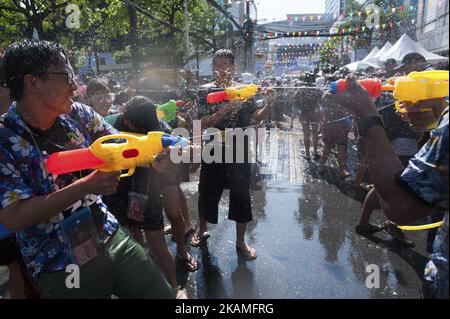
(100, 150)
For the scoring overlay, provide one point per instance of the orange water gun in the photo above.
(137, 150)
(241, 93)
(417, 86)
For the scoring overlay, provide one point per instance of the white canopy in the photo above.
(371, 54)
(360, 65)
(383, 50)
(404, 46)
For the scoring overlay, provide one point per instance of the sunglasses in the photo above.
(70, 76)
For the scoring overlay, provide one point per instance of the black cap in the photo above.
(410, 57)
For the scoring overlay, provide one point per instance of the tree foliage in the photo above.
(105, 26)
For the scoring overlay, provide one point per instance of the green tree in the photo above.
(110, 26)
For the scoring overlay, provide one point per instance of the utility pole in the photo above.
(186, 24)
(249, 54)
(132, 37)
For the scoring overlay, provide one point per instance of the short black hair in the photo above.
(141, 112)
(413, 57)
(29, 57)
(224, 53)
(390, 61)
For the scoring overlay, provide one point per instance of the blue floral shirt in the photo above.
(427, 176)
(22, 176)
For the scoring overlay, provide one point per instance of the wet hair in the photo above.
(141, 112)
(95, 86)
(30, 57)
(391, 61)
(224, 53)
(413, 57)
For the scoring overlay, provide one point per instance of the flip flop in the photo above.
(187, 262)
(201, 239)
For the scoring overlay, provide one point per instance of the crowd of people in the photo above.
(118, 237)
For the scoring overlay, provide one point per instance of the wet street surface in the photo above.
(303, 231)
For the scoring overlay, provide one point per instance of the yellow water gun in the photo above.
(233, 94)
(419, 86)
(136, 150)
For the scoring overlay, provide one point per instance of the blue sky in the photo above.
(272, 10)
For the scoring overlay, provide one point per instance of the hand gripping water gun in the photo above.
(233, 94)
(109, 157)
(168, 111)
(417, 86)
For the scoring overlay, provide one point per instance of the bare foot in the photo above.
(246, 251)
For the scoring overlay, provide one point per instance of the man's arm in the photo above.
(263, 113)
(213, 119)
(399, 205)
(22, 214)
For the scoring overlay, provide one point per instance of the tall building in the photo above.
(289, 51)
(334, 8)
(433, 25)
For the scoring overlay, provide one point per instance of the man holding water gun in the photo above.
(49, 213)
(215, 177)
(408, 194)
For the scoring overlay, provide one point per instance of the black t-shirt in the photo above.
(240, 116)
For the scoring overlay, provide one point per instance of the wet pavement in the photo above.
(303, 231)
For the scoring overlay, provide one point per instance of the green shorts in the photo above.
(123, 269)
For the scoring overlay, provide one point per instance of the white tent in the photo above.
(371, 54)
(404, 46)
(360, 65)
(383, 50)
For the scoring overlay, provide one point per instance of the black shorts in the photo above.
(216, 177)
(9, 252)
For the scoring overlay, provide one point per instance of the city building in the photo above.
(289, 50)
(334, 8)
(433, 25)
